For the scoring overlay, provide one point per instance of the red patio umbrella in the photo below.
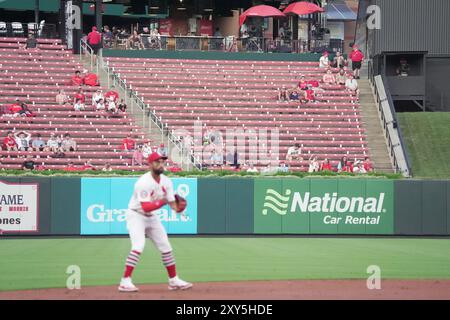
(302, 8)
(260, 11)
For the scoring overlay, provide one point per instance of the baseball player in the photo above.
(152, 191)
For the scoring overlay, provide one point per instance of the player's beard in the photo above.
(158, 171)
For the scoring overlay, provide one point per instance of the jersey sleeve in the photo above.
(142, 192)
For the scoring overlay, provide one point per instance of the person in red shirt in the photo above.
(348, 167)
(309, 94)
(367, 165)
(79, 96)
(15, 108)
(9, 142)
(88, 166)
(112, 93)
(77, 79)
(326, 166)
(90, 79)
(128, 143)
(70, 167)
(357, 58)
(94, 40)
(302, 85)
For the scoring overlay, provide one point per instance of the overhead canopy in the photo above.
(302, 8)
(261, 11)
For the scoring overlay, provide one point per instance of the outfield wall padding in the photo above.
(234, 205)
(210, 55)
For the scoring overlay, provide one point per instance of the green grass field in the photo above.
(42, 263)
(427, 138)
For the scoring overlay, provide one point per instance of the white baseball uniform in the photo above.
(147, 189)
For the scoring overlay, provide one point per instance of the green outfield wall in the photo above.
(335, 206)
(212, 55)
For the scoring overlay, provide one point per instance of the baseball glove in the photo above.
(181, 203)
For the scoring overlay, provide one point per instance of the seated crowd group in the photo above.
(307, 90)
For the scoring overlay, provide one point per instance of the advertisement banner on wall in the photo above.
(331, 206)
(19, 207)
(206, 28)
(165, 27)
(104, 203)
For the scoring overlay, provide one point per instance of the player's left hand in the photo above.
(181, 203)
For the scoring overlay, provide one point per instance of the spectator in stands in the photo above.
(324, 62)
(314, 164)
(357, 58)
(162, 150)
(128, 143)
(23, 140)
(339, 61)
(68, 144)
(79, 105)
(155, 39)
(283, 167)
(294, 96)
(77, 79)
(122, 106)
(100, 106)
(28, 164)
(135, 41)
(31, 42)
(348, 167)
(111, 105)
(16, 108)
(62, 98)
(24, 110)
(9, 142)
(404, 68)
(283, 94)
(294, 153)
(94, 40)
(352, 85)
(367, 165)
(107, 167)
(302, 84)
(309, 94)
(341, 78)
(97, 96)
(88, 166)
(342, 163)
(138, 157)
(112, 94)
(252, 168)
(70, 167)
(38, 144)
(328, 78)
(147, 149)
(216, 158)
(53, 143)
(80, 96)
(326, 165)
(358, 167)
(90, 79)
(107, 37)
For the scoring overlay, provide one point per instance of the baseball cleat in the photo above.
(178, 284)
(127, 286)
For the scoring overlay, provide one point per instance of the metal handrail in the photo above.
(134, 94)
(85, 48)
(393, 134)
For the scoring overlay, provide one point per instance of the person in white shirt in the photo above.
(352, 85)
(151, 192)
(147, 149)
(314, 165)
(100, 106)
(78, 106)
(96, 97)
(324, 62)
(112, 105)
(252, 169)
(294, 153)
(23, 140)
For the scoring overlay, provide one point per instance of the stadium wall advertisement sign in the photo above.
(104, 203)
(324, 206)
(19, 207)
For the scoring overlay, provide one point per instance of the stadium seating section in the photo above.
(35, 76)
(242, 94)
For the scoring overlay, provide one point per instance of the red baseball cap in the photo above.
(155, 156)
